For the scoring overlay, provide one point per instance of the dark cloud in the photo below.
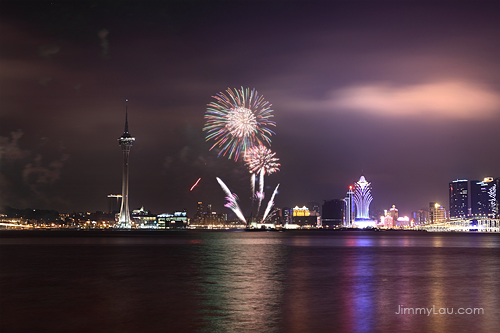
(47, 51)
(103, 36)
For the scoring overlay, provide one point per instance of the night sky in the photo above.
(407, 93)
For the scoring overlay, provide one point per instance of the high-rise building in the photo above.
(287, 215)
(483, 198)
(114, 203)
(125, 141)
(362, 199)
(437, 213)
(473, 198)
(497, 197)
(394, 213)
(349, 208)
(459, 198)
(420, 217)
(332, 213)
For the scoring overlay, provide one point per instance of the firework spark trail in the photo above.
(237, 121)
(194, 184)
(252, 184)
(232, 200)
(270, 203)
(261, 188)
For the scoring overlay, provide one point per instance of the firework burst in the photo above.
(260, 160)
(238, 120)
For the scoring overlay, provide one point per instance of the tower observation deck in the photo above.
(125, 141)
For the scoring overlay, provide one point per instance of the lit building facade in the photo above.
(303, 218)
(349, 208)
(362, 199)
(473, 198)
(387, 221)
(459, 198)
(177, 220)
(394, 213)
(483, 198)
(437, 213)
(143, 219)
(420, 217)
(497, 197)
(126, 141)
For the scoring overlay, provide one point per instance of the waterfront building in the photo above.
(362, 199)
(286, 215)
(332, 213)
(125, 141)
(387, 221)
(303, 218)
(473, 198)
(177, 220)
(437, 213)
(394, 213)
(496, 197)
(349, 208)
(114, 203)
(483, 198)
(459, 198)
(420, 217)
(143, 219)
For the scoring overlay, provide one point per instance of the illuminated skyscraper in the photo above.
(483, 197)
(125, 141)
(362, 200)
(349, 208)
(473, 198)
(459, 198)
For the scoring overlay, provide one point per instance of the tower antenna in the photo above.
(126, 115)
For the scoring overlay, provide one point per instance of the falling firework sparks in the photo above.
(261, 160)
(270, 204)
(237, 121)
(192, 187)
(231, 200)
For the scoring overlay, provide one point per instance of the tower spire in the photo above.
(126, 116)
(126, 134)
(125, 141)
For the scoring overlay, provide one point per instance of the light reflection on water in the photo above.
(243, 281)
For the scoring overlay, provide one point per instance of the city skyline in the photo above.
(412, 108)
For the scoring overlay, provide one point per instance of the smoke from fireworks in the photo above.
(261, 160)
(231, 200)
(237, 121)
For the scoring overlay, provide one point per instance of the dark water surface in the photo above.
(207, 281)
